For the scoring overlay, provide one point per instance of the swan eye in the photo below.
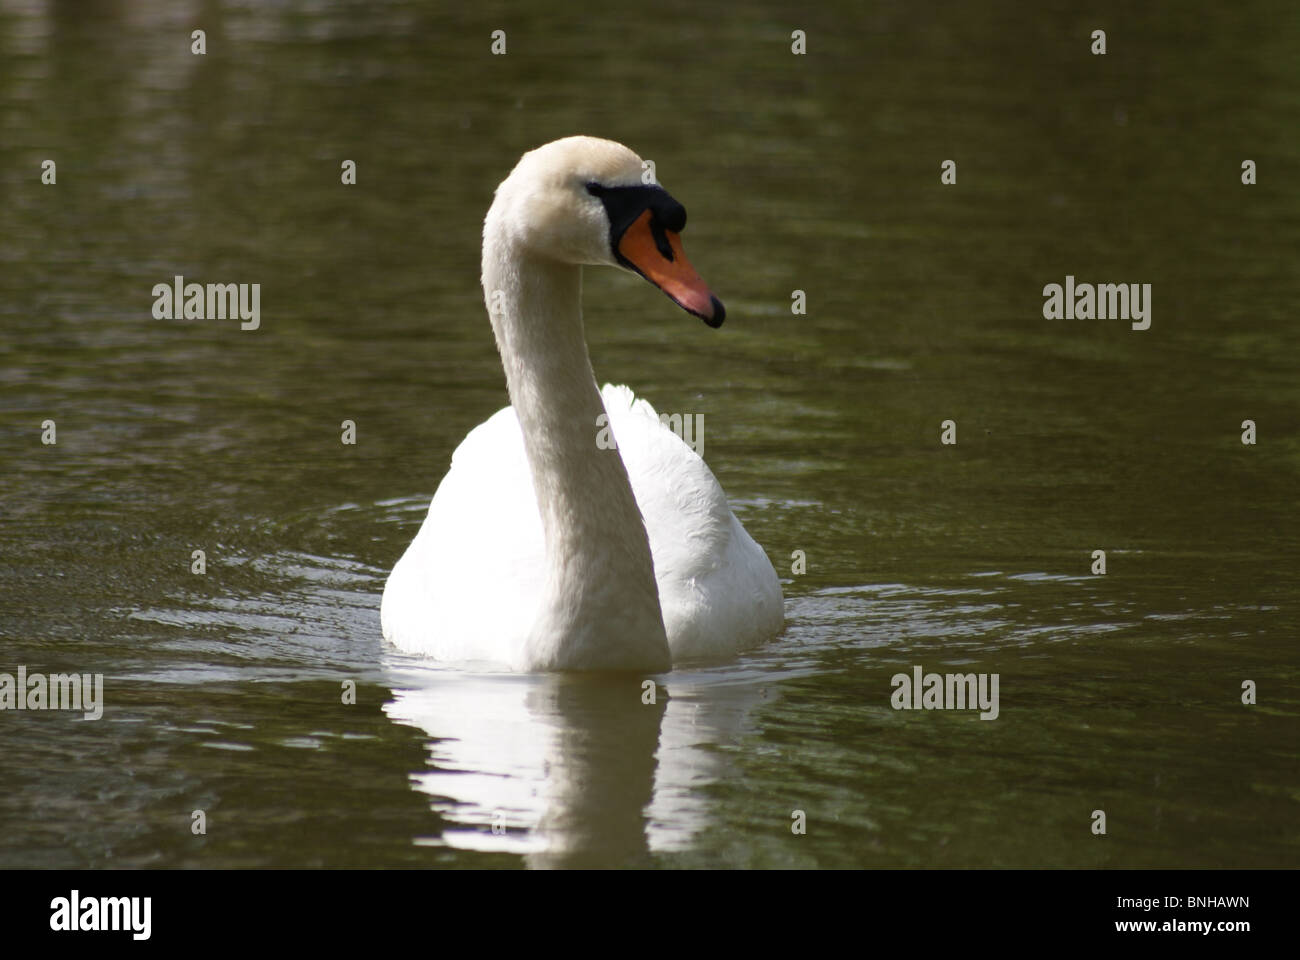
(645, 223)
(625, 205)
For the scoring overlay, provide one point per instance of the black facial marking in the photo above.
(625, 204)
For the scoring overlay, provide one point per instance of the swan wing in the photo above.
(469, 585)
(717, 588)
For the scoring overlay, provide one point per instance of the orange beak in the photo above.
(657, 255)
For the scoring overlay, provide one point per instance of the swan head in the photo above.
(581, 200)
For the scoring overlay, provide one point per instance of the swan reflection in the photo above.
(570, 770)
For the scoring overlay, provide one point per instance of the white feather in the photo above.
(478, 582)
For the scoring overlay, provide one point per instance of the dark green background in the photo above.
(817, 172)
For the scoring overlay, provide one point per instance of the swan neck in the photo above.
(601, 605)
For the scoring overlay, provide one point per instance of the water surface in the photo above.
(817, 173)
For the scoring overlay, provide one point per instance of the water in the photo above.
(820, 173)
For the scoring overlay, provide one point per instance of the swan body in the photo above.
(544, 549)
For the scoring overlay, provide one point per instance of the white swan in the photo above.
(534, 553)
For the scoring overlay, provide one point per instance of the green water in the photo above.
(819, 173)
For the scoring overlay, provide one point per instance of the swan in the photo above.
(544, 549)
